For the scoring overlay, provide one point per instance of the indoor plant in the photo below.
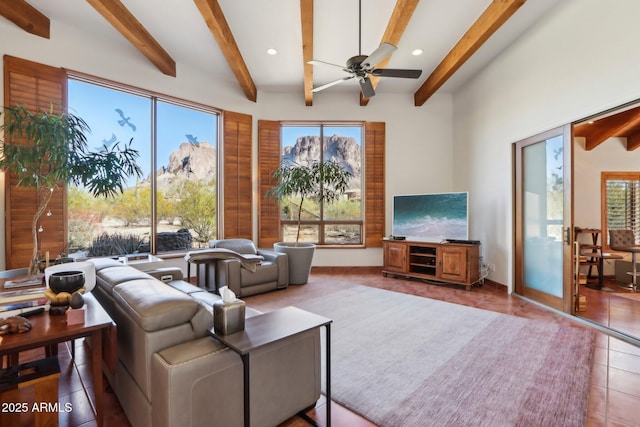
(46, 150)
(324, 182)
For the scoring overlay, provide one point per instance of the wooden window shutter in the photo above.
(268, 161)
(374, 183)
(238, 206)
(36, 87)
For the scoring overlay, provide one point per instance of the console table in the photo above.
(455, 263)
(48, 329)
(271, 327)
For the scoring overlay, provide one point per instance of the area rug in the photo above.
(404, 360)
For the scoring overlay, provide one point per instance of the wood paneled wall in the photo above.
(237, 181)
(374, 185)
(36, 87)
(268, 161)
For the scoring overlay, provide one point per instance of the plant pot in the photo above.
(300, 260)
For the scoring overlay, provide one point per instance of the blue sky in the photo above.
(97, 106)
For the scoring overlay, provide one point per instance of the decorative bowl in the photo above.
(66, 281)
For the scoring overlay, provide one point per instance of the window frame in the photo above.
(605, 178)
(322, 222)
(154, 98)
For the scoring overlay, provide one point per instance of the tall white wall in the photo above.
(419, 140)
(580, 59)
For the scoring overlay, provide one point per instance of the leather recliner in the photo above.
(251, 271)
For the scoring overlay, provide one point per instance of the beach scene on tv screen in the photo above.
(431, 217)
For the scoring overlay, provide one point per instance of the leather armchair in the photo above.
(270, 273)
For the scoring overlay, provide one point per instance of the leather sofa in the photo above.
(240, 273)
(171, 372)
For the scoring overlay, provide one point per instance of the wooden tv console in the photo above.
(456, 263)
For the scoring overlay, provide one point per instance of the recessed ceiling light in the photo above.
(271, 51)
(417, 52)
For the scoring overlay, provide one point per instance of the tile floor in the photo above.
(613, 400)
(613, 307)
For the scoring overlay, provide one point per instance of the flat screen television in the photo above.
(431, 217)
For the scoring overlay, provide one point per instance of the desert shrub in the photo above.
(82, 225)
(197, 207)
(116, 244)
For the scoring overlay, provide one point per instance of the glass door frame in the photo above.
(566, 303)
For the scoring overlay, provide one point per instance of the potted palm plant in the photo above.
(46, 150)
(324, 182)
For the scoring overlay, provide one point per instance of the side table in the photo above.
(50, 330)
(271, 327)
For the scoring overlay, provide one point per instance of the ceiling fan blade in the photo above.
(316, 62)
(395, 72)
(367, 87)
(384, 50)
(333, 83)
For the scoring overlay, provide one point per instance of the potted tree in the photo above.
(324, 182)
(47, 150)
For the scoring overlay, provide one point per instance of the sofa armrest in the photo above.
(228, 274)
(197, 383)
(282, 261)
(201, 382)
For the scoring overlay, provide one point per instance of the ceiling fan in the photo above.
(362, 66)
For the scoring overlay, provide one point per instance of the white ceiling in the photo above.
(178, 26)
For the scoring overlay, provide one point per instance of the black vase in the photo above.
(66, 281)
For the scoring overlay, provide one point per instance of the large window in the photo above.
(621, 202)
(338, 223)
(172, 207)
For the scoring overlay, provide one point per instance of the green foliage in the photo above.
(82, 224)
(38, 147)
(46, 150)
(324, 182)
(167, 208)
(343, 209)
(197, 207)
(115, 244)
(193, 202)
(133, 205)
(104, 172)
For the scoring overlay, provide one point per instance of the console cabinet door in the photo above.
(453, 263)
(395, 257)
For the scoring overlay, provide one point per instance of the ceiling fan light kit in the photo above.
(361, 66)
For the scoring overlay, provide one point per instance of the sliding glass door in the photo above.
(543, 218)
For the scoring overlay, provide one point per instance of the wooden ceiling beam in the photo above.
(127, 24)
(217, 23)
(306, 15)
(400, 17)
(633, 141)
(624, 124)
(26, 17)
(496, 14)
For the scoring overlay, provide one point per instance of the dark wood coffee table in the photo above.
(268, 328)
(48, 329)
